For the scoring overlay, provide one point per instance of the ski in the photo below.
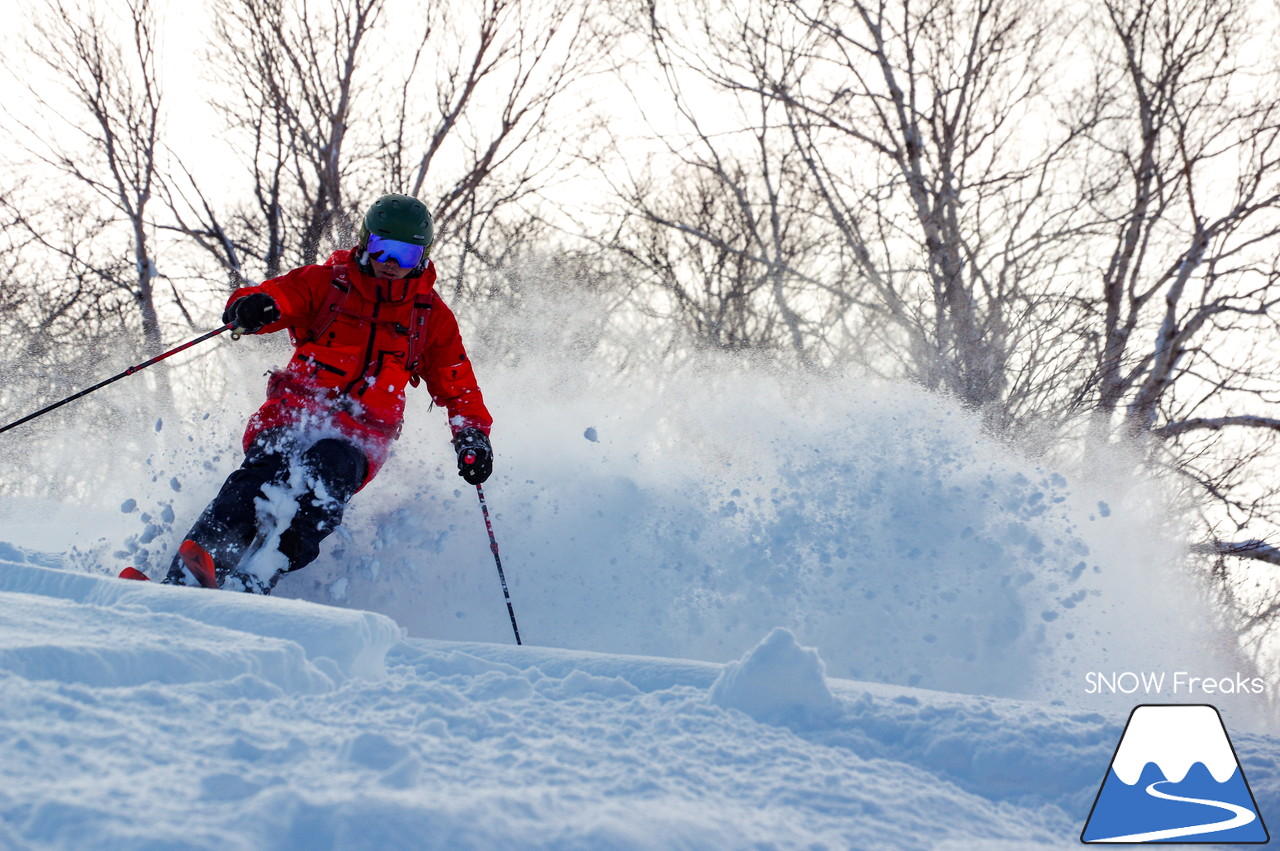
(198, 562)
(194, 559)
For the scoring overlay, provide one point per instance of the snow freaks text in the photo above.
(1175, 683)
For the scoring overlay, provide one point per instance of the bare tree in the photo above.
(294, 73)
(114, 88)
(489, 117)
(722, 225)
(59, 326)
(963, 228)
(460, 116)
(694, 246)
(1187, 158)
(905, 128)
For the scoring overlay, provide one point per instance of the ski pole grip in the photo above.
(237, 332)
(469, 457)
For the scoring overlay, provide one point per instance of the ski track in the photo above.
(1240, 817)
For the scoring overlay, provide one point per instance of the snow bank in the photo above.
(450, 750)
(146, 717)
(71, 627)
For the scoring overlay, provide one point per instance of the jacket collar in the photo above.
(377, 290)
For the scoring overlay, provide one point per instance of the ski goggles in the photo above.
(384, 250)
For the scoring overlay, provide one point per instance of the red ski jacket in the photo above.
(352, 377)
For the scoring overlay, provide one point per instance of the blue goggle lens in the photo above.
(406, 254)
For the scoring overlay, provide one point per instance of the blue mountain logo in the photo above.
(1175, 778)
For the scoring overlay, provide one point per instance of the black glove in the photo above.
(252, 312)
(475, 455)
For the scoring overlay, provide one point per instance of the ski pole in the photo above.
(497, 559)
(130, 371)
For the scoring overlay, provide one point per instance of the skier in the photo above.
(364, 324)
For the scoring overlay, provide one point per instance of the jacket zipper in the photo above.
(368, 351)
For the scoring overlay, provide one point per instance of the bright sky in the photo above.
(190, 125)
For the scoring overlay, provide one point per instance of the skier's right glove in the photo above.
(252, 312)
(475, 455)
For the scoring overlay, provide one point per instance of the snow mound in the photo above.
(134, 632)
(778, 682)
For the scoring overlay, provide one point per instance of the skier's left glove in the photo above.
(475, 455)
(252, 312)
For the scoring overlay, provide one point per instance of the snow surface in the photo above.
(140, 716)
(761, 614)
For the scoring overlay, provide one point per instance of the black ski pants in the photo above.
(331, 471)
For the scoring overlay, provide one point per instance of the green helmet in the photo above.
(400, 217)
